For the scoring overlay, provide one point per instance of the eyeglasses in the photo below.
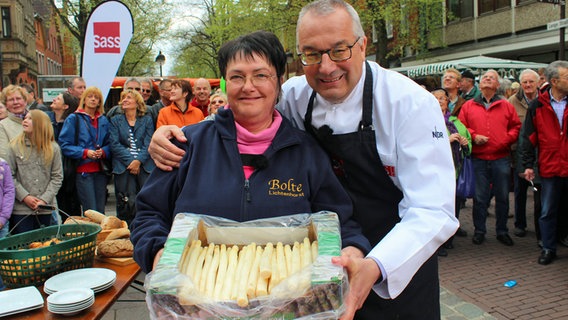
(337, 54)
(137, 89)
(146, 90)
(257, 80)
(218, 101)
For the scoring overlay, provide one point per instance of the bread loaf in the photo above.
(111, 222)
(95, 216)
(116, 248)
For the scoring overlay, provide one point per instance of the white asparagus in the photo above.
(240, 263)
(261, 286)
(306, 250)
(221, 273)
(242, 299)
(184, 257)
(266, 261)
(212, 273)
(281, 261)
(275, 277)
(288, 258)
(229, 277)
(296, 263)
(314, 250)
(254, 274)
(206, 267)
(199, 267)
(193, 256)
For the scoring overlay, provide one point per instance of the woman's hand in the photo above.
(134, 167)
(165, 154)
(157, 258)
(92, 154)
(454, 137)
(32, 202)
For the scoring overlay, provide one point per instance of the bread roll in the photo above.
(111, 222)
(79, 220)
(122, 233)
(116, 248)
(95, 216)
(101, 236)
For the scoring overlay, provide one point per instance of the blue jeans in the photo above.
(550, 197)
(4, 230)
(498, 173)
(91, 189)
(25, 223)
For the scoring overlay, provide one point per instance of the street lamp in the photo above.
(160, 59)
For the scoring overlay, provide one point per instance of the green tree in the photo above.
(223, 20)
(151, 23)
(415, 23)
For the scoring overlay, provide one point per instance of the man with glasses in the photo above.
(146, 86)
(129, 84)
(387, 142)
(165, 88)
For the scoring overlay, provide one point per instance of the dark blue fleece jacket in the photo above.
(297, 178)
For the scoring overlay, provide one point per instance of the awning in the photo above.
(505, 68)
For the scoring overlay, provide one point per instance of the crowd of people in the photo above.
(365, 149)
(514, 132)
(64, 155)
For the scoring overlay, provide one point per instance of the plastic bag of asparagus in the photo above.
(278, 268)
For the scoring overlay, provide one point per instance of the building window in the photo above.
(6, 22)
(459, 9)
(486, 6)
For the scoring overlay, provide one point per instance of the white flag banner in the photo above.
(109, 30)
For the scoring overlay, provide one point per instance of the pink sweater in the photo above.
(250, 143)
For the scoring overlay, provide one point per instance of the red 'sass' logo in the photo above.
(107, 37)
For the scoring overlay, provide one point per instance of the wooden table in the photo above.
(103, 300)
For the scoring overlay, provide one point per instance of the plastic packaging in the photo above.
(314, 292)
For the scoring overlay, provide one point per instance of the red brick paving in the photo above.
(476, 273)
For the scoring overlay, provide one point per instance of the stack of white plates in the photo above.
(97, 279)
(19, 300)
(70, 301)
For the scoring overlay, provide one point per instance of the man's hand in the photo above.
(480, 139)
(529, 174)
(165, 154)
(363, 274)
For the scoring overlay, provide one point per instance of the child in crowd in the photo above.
(7, 193)
(35, 160)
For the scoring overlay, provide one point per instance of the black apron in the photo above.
(375, 197)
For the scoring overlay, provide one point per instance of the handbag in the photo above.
(466, 179)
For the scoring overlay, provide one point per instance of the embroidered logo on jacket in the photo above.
(287, 188)
(437, 134)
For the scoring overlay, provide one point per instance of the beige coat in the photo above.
(9, 129)
(33, 177)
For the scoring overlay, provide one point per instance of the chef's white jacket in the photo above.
(412, 139)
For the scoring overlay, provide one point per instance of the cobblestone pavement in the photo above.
(471, 278)
(476, 273)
